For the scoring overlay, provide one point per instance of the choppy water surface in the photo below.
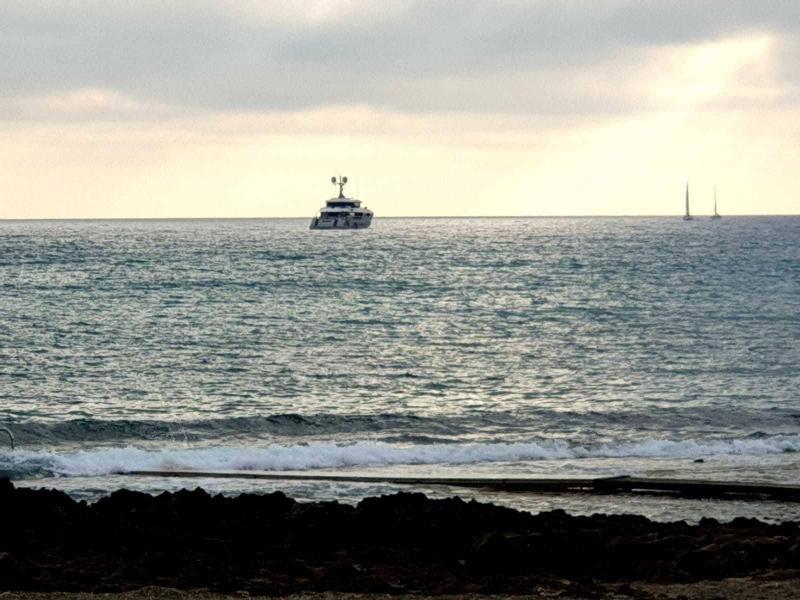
(557, 347)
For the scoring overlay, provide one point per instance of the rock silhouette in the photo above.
(404, 543)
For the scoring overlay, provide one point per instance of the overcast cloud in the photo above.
(579, 57)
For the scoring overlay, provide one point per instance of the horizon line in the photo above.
(261, 218)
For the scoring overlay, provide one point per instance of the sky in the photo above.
(200, 108)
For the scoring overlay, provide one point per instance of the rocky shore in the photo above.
(401, 544)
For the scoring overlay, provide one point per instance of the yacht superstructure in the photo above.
(342, 212)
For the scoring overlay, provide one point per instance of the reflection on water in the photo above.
(602, 346)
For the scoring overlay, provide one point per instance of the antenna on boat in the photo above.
(340, 183)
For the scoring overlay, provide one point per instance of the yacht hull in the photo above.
(342, 223)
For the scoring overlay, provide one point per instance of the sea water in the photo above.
(574, 347)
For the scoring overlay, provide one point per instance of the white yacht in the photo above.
(342, 212)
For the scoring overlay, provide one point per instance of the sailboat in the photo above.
(716, 215)
(687, 216)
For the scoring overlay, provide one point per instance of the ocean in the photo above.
(525, 347)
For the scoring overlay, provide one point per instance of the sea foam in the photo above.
(105, 461)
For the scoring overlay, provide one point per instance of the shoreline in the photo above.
(620, 484)
(271, 545)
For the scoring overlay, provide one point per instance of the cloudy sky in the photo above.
(201, 108)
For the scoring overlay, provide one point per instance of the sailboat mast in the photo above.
(715, 200)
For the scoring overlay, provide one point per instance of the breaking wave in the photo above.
(89, 430)
(392, 427)
(106, 461)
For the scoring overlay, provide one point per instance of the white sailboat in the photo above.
(687, 216)
(716, 215)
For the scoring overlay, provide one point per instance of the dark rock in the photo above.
(404, 543)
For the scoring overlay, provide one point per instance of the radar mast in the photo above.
(340, 183)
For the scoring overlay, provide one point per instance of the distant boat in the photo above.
(687, 216)
(342, 212)
(716, 215)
